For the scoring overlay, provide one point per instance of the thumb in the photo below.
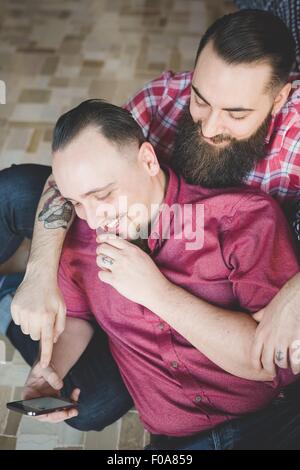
(75, 394)
(53, 379)
(258, 316)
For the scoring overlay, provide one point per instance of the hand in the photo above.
(44, 382)
(277, 338)
(38, 307)
(132, 272)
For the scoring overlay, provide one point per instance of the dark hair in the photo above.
(113, 122)
(250, 36)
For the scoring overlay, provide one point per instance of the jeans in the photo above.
(104, 397)
(287, 10)
(21, 187)
(276, 427)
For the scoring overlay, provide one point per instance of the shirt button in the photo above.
(161, 326)
(198, 398)
(174, 364)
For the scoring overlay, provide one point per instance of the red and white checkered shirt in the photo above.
(158, 107)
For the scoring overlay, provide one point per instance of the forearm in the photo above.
(54, 217)
(70, 345)
(224, 336)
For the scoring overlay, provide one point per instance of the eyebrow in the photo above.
(240, 108)
(93, 191)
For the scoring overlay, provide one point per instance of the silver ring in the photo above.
(106, 260)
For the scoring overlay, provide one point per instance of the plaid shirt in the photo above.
(158, 107)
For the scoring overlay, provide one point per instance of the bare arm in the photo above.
(38, 305)
(224, 336)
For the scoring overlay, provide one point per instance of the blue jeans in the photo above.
(287, 10)
(21, 187)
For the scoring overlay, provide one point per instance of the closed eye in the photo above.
(237, 118)
(101, 198)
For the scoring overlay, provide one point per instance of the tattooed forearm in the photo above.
(56, 212)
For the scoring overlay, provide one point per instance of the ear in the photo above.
(147, 157)
(281, 98)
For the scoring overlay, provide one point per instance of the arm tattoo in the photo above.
(57, 212)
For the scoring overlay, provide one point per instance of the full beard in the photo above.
(201, 163)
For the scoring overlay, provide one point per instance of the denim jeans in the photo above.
(287, 10)
(21, 187)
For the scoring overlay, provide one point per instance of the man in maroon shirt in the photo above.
(164, 246)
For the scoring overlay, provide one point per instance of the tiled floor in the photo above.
(53, 55)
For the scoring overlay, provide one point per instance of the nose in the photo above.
(92, 219)
(211, 126)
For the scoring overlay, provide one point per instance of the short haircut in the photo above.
(113, 122)
(253, 36)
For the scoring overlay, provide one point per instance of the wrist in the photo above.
(162, 296)
(36, 270)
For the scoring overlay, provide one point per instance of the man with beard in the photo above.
(240, 80)
(187, 369)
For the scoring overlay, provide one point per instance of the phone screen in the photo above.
(45, 403)
(41, 405)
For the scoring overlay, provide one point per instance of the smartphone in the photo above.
(42, 405)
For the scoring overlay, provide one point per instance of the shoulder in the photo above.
(170, 83)
(226, 204)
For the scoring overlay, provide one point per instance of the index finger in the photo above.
(47, 340)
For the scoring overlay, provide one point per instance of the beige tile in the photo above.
(35, 113)
(14, 419)
(104, 440)
(7, 443)
(132, 433)
(35, 140)
(34, 96)
(50, 65)
(2, 351)
(9, 349)
(36, 442)
(5, 397)
(17, 139)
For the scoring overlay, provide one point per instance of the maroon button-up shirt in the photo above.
(246, 257)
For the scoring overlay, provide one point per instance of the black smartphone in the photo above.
(42, 405)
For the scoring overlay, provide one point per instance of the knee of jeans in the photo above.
(20, 182)
(86, 424)
(97, 416)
